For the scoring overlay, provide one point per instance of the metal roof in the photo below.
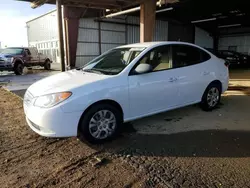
(99, 4)
(41, 16)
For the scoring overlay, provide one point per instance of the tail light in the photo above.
(227, 64)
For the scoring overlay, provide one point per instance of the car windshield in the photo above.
(114, 61)
(12, 51)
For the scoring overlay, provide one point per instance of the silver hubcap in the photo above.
(213, 97)
(102, 124)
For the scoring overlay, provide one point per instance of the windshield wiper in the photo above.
(93, 71)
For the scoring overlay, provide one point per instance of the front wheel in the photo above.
(101, 123)
(47, 65)
(18, 69)
(211, 97)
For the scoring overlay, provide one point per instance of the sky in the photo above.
(13, 18)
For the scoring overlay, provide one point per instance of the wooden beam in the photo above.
(60, 34)
(101, 4)
(147, 20)
(38, 3)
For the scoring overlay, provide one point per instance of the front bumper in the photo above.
(52, 122)
(6, 68)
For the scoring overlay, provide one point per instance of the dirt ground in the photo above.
(28, 160)
(181, 148)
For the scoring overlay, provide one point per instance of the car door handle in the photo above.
(172, 79)
(206, 73)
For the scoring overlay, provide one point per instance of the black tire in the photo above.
(205, 102)
(84, 124)
(18, 69)
(47, 65)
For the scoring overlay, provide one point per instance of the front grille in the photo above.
(28, 98)
(2, 60)
(34, 125)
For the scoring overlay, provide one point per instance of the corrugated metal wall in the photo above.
(111, 35)
(88, 41)
(43, 28)
(203, 39)
(241, 43)
(133, 31)
(43, 34)
(96, 38)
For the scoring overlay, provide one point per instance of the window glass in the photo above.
(232, 48)
(205, 56)
(227, 53)
(12, 51)
(27, 51)
(163, 59)
(184, 55)
(114, 61)
(158, 58)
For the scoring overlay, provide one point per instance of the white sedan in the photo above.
(124, 84)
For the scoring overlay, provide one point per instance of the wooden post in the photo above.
(147, 20)
(99, 38)
(216, 42)
(66, 28)
(60, 34)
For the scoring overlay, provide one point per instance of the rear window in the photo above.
(184, 55)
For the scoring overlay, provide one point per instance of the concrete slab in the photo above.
(13, 83)
(20, 93)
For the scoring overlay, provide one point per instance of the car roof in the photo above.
(154, 44)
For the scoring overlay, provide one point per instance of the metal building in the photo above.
(43, 34)
(95, 36)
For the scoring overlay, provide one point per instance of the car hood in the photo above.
(66, 81)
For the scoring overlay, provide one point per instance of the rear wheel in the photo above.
(100, 123)
(18, 69)
(211, 97)
(47, 65)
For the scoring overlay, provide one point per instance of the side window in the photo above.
(205, 56)
(27, 51)
(158, 58)
(184, 55)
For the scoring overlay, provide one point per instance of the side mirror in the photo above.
(143, 68)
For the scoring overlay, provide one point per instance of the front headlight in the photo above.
(9, 60)
(51, 100)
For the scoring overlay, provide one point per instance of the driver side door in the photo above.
(154, 91)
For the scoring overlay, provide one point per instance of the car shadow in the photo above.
(243, 89)
(231, 139)
(207, 143)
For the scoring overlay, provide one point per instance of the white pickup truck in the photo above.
(16, 58)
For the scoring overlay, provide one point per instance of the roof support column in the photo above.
(216, 42)
(147, 20)
(72, 16)
(60, 34)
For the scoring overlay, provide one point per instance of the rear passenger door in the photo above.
(193, 73)
(34, 55)
(27, 57)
